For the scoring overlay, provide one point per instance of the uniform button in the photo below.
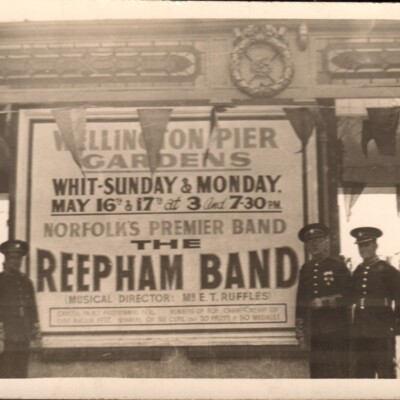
(315, 284)
(364, 292)
(364, 279)
(315, 276)
(315, 270)
(315, 291)
(364, 285)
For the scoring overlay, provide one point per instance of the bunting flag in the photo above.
(339, 156)
(398, 198)
(319, 117)
(363, 160)
(72, 125)
(5, 155)
(5, 165)
(303, 122)
(351, 194)
(5, 152)
(382, 127)
(214, 125)
(366, 136)
(154, 123)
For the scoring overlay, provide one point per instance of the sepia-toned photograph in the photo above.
(202, 196)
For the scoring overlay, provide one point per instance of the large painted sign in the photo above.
(202, 250)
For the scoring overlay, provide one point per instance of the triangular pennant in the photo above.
(6, 132)
(366, 136)
(349, 132)
(319, 114)
(72, 125)
(383, 124)
(339, 156)
(214, 125)
(351, 194)
(154, 123)
(5, 155)
(398, 198)
(6, 150)
(302, 121)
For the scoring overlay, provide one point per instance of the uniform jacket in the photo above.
(328, 277)
(376, 282)
(18, 311)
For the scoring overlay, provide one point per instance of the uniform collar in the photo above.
(370, 263)
(320, 260)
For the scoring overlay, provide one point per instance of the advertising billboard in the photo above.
(195, 243)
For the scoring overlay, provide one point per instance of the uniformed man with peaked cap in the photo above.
(18, 313)
(376, 298)
(322, 309)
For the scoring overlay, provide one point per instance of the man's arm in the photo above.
(36, 336)
(301, 312)
(392, 281)
(2, 327)
(344, 297)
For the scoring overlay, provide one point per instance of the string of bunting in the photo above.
(380, 125)
(295, 106)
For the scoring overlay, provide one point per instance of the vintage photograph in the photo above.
(199, 197)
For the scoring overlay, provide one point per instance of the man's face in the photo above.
(318, 245)
(368, 249)
(13, 261)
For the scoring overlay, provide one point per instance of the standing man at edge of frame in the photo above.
(19, 325)
(376, 286)
(322, 308)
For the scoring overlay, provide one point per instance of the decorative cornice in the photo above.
(113, 29)
(346, 59)
(90, 63)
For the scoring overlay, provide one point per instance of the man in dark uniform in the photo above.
(18, 314)
(376, 289)
(322, 310)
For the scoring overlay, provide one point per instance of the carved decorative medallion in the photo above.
(261, 63)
